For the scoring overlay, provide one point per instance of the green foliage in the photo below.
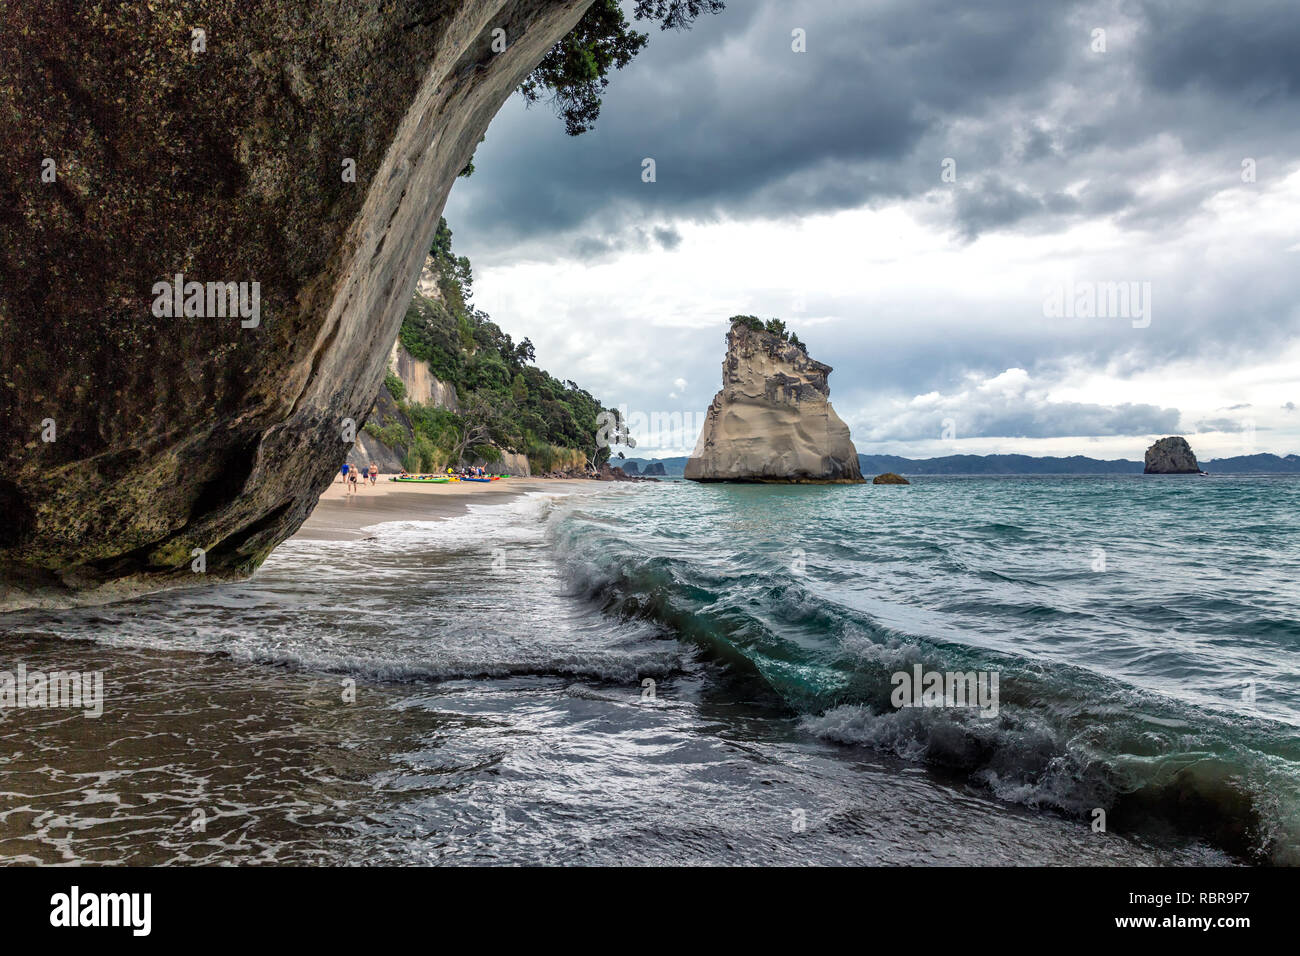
(396, 387)
(392, 434)
(441, 427)
(772, 326)
(576, 70)
(543, 458)
(506, 401)
(422, 456)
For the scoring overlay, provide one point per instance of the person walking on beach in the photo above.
(344, 471)
(352, 481)
(374, 473)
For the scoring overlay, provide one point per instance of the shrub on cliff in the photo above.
(392, 433)
(774, 327)
(396, 387)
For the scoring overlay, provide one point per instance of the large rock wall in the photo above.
(511, 463)
(224, 165)
(422, 386)
(772, 421)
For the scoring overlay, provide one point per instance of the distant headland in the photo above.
(1262, 464)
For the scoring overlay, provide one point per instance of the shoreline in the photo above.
(339, 516)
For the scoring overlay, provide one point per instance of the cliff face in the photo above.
(422, 386)
(226, 164)
(1171, 456)
(772, 421)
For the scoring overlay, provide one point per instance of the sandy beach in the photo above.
(341, 516)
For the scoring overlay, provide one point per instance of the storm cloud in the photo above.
(985, 152)
(1012, 91)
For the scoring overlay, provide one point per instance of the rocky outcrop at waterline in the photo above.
(283, 163)
(772, 421)
(1171, 456)
(889, 478)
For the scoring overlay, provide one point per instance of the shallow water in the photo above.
(471, 690)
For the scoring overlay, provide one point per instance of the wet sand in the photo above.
(341, 516)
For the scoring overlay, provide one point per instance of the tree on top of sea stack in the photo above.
(772, 421)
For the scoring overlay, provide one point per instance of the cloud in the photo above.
(1228, 425)
(667, 237)
(1010, 405)
(1042, 128)
(993, 203)
(1245, 51)
(808, 186)
(637, 239)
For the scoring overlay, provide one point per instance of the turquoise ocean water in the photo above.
(701, 674)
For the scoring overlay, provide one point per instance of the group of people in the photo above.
(355, 477)
(462, 472)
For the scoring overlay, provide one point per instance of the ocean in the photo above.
(699, 674)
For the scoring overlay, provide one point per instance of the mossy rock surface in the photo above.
(225, 164)
(889, 478)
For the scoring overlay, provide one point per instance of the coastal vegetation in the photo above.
(576, 70)
(774, 327)
(506, 403)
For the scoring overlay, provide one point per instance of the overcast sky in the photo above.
(811, 186)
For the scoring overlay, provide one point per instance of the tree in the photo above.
(576, 70)
(484, 421)
(524, 352)
(440, 248)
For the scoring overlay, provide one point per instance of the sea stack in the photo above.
(1171, 456)
(772, 421)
